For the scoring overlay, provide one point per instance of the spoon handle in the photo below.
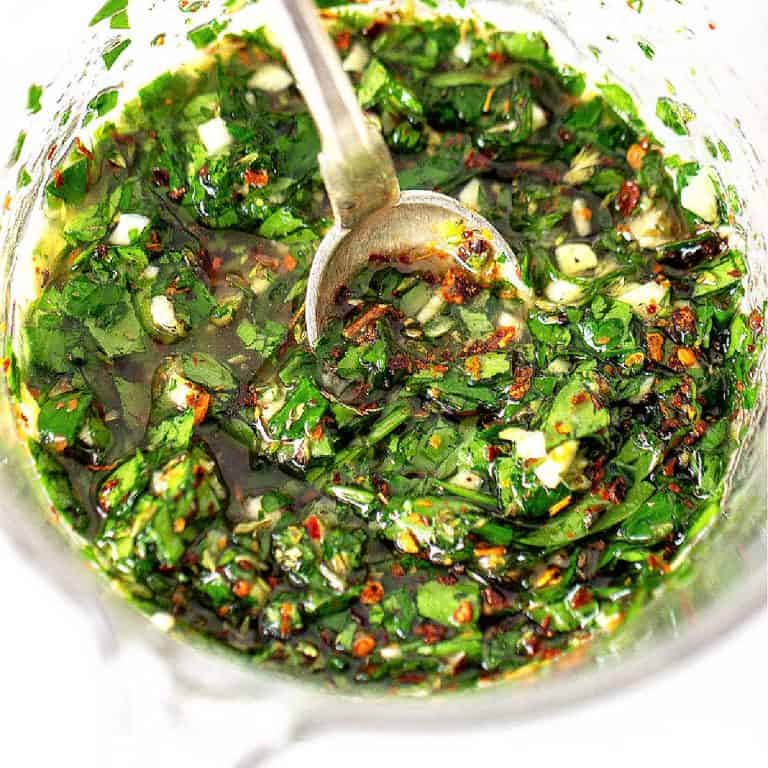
(355, 163)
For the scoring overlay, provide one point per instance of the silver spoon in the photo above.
(372, 216)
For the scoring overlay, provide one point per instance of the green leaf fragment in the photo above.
(109, 9)
(674, 114)
(34, 95)
(456, 605)
(111, 56)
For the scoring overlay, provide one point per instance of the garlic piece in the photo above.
(575, 258)
(215, 136)
(127, 223)
(699, 196)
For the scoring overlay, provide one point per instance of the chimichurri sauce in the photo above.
(459, 483)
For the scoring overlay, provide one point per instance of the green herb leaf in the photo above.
(674, 115)
(264, 340)
(456, 605)
(113, 54)
(34, 95)
(109, 9)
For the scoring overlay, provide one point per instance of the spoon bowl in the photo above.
(421, 225)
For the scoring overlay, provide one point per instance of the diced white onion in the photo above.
(470, 480)
(651, 228)
(163, 313)
(271, 78)
(699, 196)
(563, 292)
(127, 223)
(642, 295)
(582, 219)
(431, 308)
(252, 506)
(575, 258)
(538, 117)
(559, 366)
(470, 195)
(357, 58)
(215, 135)
(551, 470)
(582, 166)
(529, 445)
(163, 621)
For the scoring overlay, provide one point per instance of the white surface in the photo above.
(58, 708)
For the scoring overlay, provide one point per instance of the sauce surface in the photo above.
(458, 484)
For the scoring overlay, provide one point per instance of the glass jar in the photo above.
(711, 63)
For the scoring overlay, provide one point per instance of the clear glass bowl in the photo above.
(722, 582)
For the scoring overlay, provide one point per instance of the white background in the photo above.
(58, 708)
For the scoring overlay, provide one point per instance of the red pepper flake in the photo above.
(476, 160)
(430, 633)
(492, 600)
(699, 428)
(655, 342)
(635, 156)
(497, 57)
(683, 322)
(82, 149)
(365, 325)
(177, 195)
(712, 25)
(397, 571)
(464, 613)
(579, 398)
(657, 564)
(314, 528)
(521, 383)
(756, 321)
(373, 592)
(199, 402)
(58, 179)
(734, 272)
(7, 202)
(286, 619)
(687, 357)
(363, 646)
(674, 487)
(628, 197)
(343, 40)
(258, 179)
(581, 597)
(161, 177)
(615, 491)
(52, 152)
(242, 588)
(289, 262)
(154, 245)
(458, 285)
(492, 452)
